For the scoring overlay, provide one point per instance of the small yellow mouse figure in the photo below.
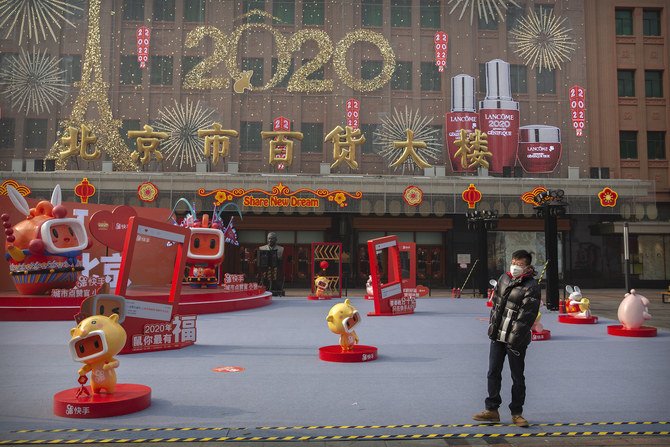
(341, 319)
(95, 341)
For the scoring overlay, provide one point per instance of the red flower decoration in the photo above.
(471, 196)
(608, 197)
(413, 195)
(147, 192)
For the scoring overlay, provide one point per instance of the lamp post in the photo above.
(481, 222)
(626, 256)
(550, 206)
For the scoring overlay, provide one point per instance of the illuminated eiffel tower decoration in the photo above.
(92, 89)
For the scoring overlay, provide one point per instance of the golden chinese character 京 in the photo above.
(147, 142)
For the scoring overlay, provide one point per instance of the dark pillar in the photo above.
(482, 267)
(551, 248)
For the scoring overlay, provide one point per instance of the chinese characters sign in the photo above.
(143, 37)
(577, 109)
(441, 42)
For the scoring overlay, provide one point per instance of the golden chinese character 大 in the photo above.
(410, 146)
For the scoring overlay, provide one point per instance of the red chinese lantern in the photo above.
(84, 190)
(471, 195)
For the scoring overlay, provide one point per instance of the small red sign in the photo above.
(228, 369)
(143, 37)
(578, 109)
(441, 41)
(353, 113)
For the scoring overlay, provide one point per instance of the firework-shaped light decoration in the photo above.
(32, 82)
(394, 128)
(182, 123)
(486, 9)
(35, 17)
(542, 40)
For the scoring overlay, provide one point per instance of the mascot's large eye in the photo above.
(54, 232)
(94, 321)
(96, 344)
(70, 230)
(102, 309)
(116, 310)
(212, 243)
(81, 348)
(196, 242)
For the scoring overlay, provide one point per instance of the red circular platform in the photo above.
(128, 398)
(642, 331)
(321, 298)
(369, 297)
(540, 336)
(489, 303)
(565, 318)
(360, 353)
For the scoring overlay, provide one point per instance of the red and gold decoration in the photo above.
(147, 192)
(143, 35)
(344, 145)
(441, 41)
(353, 113)
(471, 195)
(413, 195)
(217, 143)
(529, 196)
(473, 149)
(280, 195)
(281, 143)
(22, 189)
(608, 197)
(578, 109)
(84, 190)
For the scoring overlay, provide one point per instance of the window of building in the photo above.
(312, 139)
(133, 10)
(487, 23)
(315, 75)
(401, 13)
(519, 78)
(187, 64)
(163, 10)
(7, 137)
(71, 66)
(430, 77)
(161, 70)
(282, 83)
(250, 136)
(651, 22)
(438, 134)
(255, 64)
(624, 22)
(656, 145)
(371, 12)
(371, 69)
(430, 14)
(514, 14)
(368, 130)
(78, 14)
(626, 82)
(284, 11)
(194, 11)
(313, 12)
(250, 5)
(35, 133)
(628, 144)
(543, 9)
(402, 76)
(127, 126)
(130, 72)
(653, 83)
(546, 82)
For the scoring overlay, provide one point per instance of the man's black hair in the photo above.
(523, 254)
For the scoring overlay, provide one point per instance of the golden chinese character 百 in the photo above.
(281, 148)
(409, 146)
(344, 145)
(147, 142)
(479, 149)
(77, 146)
(217, 142)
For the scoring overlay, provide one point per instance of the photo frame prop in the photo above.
(387, 288)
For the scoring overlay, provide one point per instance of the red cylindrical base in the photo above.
(540, 336)
(369, 297)
(128, 398)
(315, 297)
(360, 353)
(489, 303)
(565, 318)
(642, 331)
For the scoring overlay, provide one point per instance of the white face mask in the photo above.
(516, 270)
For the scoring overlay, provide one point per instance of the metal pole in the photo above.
(551, 247)
(626, 256)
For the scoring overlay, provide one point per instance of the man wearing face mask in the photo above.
(516, 303)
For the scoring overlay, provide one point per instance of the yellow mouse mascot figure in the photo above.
(95, 342)
(341, 319)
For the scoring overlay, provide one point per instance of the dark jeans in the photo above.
(497, 355)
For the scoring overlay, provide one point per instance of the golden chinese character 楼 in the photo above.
(147, 142)
(281, 148)
(463, 147)
(409, 145)
(217, 142)
(479, 149)
(344, 145)
(75, 149)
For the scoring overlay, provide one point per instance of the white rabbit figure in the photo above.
(633, 310)
(576, 304)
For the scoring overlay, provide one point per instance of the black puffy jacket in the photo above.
(516, 304)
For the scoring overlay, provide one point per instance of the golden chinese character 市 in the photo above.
(217, 142)
(344, 145)
(281, 148)
(147, 142)
(479, 149)
(409, 145)
(78, 147)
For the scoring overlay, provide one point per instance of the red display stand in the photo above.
(331, 253)
(389, 297)
(569, 319)
(360, 353)
(128, 398)
(642, 331)
(541, 336)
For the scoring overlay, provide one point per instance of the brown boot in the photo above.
(519, 420)
(487, 416)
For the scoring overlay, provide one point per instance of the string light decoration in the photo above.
(92, 89)
(340, 60)
(485, 8)
(542, 40)
(35, 17)
(299, 82)
(394, 128)
(182, 122)
(196, 78)
(32, 82)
